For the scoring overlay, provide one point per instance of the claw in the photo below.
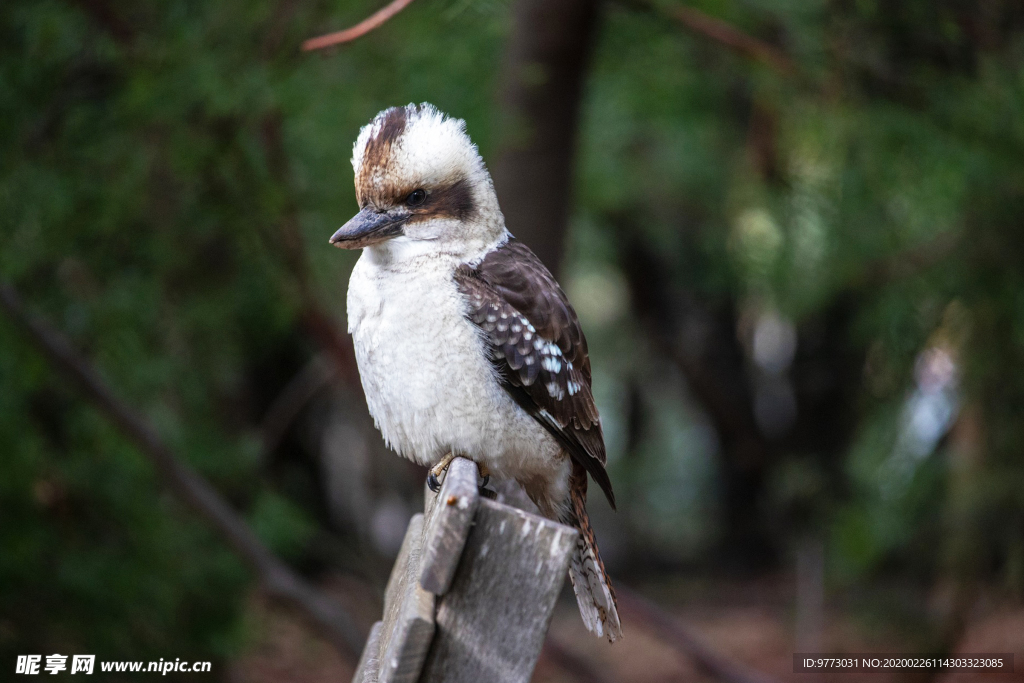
(442, 466)
(485, 476)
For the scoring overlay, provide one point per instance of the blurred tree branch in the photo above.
(723, 33)
(103, 14)
(668, 629)
(542, 79)
(700, 334)
(319, 323)
(908, 262)
(314, 376)
(185, 483)
(372, 22)
(577, 666)
(700, 338)
(336, 362)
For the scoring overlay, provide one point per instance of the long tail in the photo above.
(594, 591)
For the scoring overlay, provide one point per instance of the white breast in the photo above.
(429, 385)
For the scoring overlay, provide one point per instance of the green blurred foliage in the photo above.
(895, 181)
(170, 173)
(143, 189)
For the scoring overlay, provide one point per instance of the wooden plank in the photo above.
(369, 661)
(492, 621)
(509, 492)
(408, 614)
(449, 516)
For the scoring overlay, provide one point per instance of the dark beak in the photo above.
(369, 227)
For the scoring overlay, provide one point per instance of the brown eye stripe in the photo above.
(451, 201)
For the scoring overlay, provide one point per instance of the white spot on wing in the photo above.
(555, 391)
(551, 364)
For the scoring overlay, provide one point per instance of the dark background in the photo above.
(792, 231)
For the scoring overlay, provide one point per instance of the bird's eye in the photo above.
(416, 197)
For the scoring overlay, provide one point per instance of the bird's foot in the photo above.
(485, 476)
(437, 470)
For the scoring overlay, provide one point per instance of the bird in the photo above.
(465, 343)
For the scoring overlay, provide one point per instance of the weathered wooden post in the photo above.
(471, 594)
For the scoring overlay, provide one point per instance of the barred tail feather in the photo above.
(594, 592)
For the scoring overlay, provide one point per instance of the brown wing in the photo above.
(538, 349)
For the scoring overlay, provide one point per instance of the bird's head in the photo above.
(422, 188)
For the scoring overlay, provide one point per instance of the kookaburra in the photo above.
(466, 345)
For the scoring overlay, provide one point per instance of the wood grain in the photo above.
(369, 661)
(449, 515)
(492, 621)
(408, 614)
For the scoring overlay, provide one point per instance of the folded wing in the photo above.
(538, 349)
